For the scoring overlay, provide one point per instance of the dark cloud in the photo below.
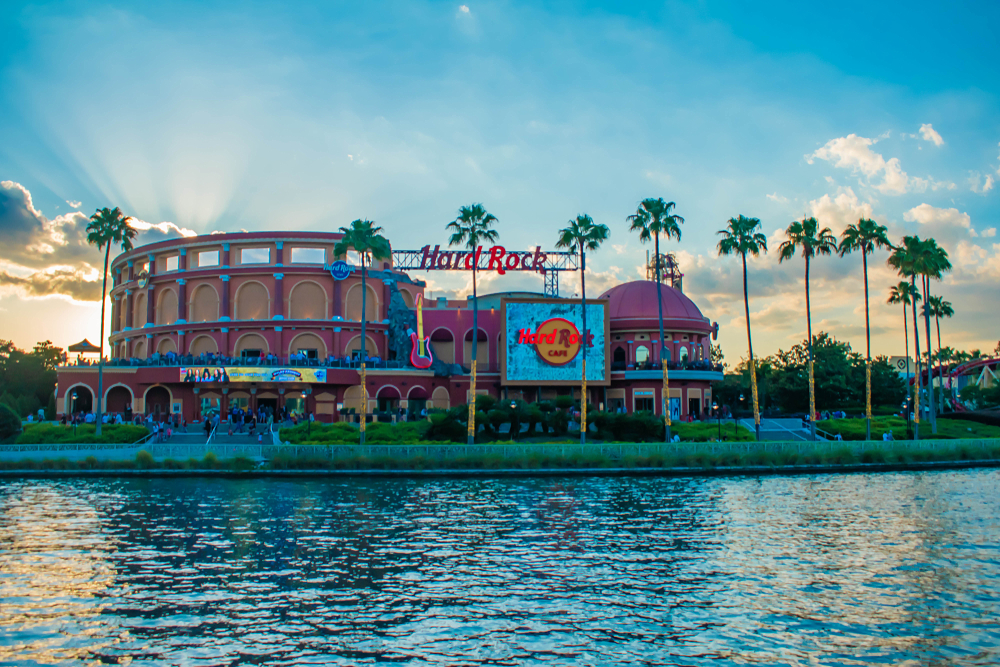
(46, 283)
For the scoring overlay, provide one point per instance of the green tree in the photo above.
(653, 218)
(743, 236)
(472, 227)
(584, 235)
(806, 236)
(866, 236)
(365, 239)
(107, 227)
(940, 308)
(904, 293)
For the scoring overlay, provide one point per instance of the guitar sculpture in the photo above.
(420, 355)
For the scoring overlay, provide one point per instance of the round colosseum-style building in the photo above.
(251, 320)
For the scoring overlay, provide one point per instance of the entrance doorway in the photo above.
(79, 399)
(158, 402)
(270, 405)
(694, 407)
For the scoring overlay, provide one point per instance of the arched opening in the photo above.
(139, 349)
(122, 312)
(166, 345)
(166, 307)
(157, 401)
(139, 311)
(619, 360)
(388, 399)
(683, 353)
(307, 301)
(352, 400)
(251, 345)
(310, 345)
(352, 304)
(79, 399)
(119, 399)
(204, 305)
(353, 348)
(482, 350)
(443, 343)
(641, 354)
(407, 298)
(203, 345)
(253, 302)
(441, 399)
(416, 401)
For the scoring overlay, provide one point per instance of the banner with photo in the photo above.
(229, 374)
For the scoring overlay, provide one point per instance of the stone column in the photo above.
(181, 347)
(279, 344)
(224, 348)
(336, 350)
(152, 265)
(338, 309)
(131, 270)
(116, 305)
(181, 301)
(150, 307)
(279, 295)
(182, 260)
(128, 309)
(225, 255)
(225, 298)
(279, 253)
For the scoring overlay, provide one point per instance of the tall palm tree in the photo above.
(471, 228)
(905, 259)
(743, 236)
(806, 235)
(933, 263)
(582, 233)
(107, 227)
(866, 236)
(940, 308)
(652, 218)
(365, 239)
(904, 293)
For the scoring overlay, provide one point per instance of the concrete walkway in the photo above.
(781, 430)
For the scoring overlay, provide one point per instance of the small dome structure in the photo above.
(637, 301)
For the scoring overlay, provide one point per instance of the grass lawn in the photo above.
(854, 429)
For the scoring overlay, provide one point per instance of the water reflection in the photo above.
(848, 569)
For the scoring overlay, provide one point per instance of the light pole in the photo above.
(513, 407)
(736, 418)
(72, 411)
(718, 416)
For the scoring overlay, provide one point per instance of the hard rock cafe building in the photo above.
(264, 319)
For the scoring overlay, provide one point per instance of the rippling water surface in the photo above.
(834, 570)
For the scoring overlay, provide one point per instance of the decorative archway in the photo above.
(251, 341)
(408, 298)
(253, 301)
(84, 399)
(441, 398)
(307, 301)
(157, 400)
(118, 398)
(482, 349)
(139, 311)
(443, 342)
(203, 344)
(166, 307)
(308, 341)
(204, 304)
(139, 349)
(352, 399)
(166, 345)
(354, 346)
(352, 304)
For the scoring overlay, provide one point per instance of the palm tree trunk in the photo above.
(906, 338)
(868, 355)
(937, 324)
(583, 307)
(665, 403)
(475, 346)
(812, 382)
(100, 361)
(753, 366)
(930, 362)
(916, 356)
(364, 348)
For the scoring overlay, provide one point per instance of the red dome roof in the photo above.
(637, 300)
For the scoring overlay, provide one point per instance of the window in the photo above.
(354, 258)
(209, 258)
(250, 353)
(173, 263)
(644, 404)
(684, 354)
(255, 256)
(308, 255)
(641, 354)
(310, 354)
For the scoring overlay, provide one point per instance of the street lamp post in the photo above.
(513, 406)
(718, 416)
(736, 420)
(72, 411)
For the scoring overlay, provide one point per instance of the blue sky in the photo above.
(227, 116)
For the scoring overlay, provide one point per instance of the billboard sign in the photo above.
(230, 374)
(543, 342)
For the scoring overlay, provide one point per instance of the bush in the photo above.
(10, 423)
(36, 434)
(210, 460)
(144, 460)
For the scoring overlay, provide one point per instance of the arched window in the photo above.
(443, 343)
(482, 349)
(619, 360)
(683, 353)
(310, 345)
(353, 347)
(203, 344)
(307, 302)
(352, 304)
(204, 305)
(166, 307)
(251, 344)
(139, 349)
(641, 354)
(441, 399)
(118, 398)
(252, 302)
(139, 311)
(166, 345)
(407, 298)
(352, 399)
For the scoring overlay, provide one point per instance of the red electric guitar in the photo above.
(420, 355)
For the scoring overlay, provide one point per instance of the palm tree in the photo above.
(365, 239)
(904, 259)
(652, 218)
(471, 228)
(582, 233)
(107, 227)
(940, 308)
(743, 236)
(933, 263)
(813, 241)
(866, 236)
(904, 293)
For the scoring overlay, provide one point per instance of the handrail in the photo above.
(211, 436)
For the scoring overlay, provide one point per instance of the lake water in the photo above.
(833, 570)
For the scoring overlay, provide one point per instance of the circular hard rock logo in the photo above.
(557, 341)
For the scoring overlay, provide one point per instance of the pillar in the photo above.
(278, 349)
(279, 293)
(152, 265)
(128, 307)
(182, 260)
(225, 297)
(386, 297)
(225, 255)
(116, 305)
(279, 253)
(181, 301)
(181, 346)
(150, 306)
(131, 270)
(224, 347)
(338, 310)
(335, 350)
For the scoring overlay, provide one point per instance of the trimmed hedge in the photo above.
(37, 434)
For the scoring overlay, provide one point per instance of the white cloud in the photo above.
(979, 184)
(778, 198)
(464, 9)
(928, 133)
(855, 153)
(942, 218)
(840, 211)
(992, 231)
(74, 204)
(162, 227)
